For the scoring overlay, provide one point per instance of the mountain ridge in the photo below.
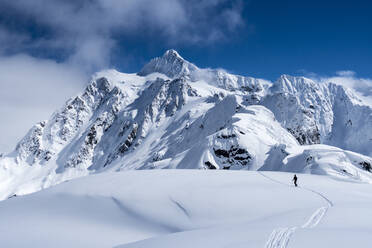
(173, 114)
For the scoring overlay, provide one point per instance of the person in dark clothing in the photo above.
(295, 180)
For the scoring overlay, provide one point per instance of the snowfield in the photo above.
(191, 208)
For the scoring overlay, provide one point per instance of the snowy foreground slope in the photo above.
(174, 115)
(191, 208)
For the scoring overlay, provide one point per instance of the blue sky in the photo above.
(268, 38)
(48, 48)
(292, 37)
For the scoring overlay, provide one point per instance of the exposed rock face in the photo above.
(48, 137)
(30, 149)
(120, 128)
(210, 165)
(233, 156)
(366, 165)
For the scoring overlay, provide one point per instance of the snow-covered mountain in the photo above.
(173, 114)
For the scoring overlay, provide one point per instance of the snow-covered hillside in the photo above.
(191, 208)
(173, 114)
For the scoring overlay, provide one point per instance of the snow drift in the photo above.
(183, 208)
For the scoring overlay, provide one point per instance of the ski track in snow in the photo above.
(147, 221)
(280, 237)
(179, 205)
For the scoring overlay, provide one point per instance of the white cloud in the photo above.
(31, 90)
(346, 73)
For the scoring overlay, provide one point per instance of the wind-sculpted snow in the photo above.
(173, 114)
(191, 208)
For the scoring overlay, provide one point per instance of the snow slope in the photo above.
(184, 208)
(173, 114)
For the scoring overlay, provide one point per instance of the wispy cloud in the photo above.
(31, 90)
(347, 73)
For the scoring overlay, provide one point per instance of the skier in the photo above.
(295, 180)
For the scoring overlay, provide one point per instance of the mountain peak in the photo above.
(170, 64)
(171, 53)
(294, 84)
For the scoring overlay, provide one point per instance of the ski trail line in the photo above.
(280, 237)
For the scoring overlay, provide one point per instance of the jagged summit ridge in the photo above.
(173, 65)
(170, 64)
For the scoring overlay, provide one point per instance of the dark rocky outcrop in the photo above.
(366, 165)
(234, 156)
(210, 165)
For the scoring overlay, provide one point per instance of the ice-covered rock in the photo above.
(321, 113)
(170, 64)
